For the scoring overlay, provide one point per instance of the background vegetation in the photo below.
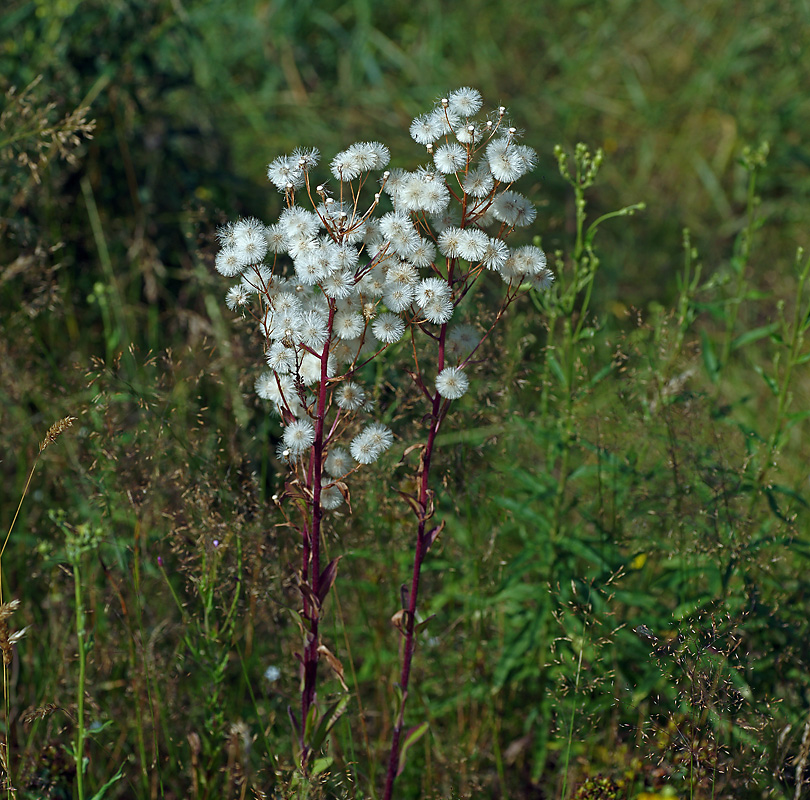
(644, 464)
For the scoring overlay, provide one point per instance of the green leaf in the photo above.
(328, 721)
(103, 790)
(709, 357)
(603, 373)
(321, 765)
(579, 548)
(309, 725)
(557, 369)
(399, 700)
(772, 385)
(795, 419)
(411, 738)
(754, 335)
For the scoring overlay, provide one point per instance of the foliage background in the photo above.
(110, 311)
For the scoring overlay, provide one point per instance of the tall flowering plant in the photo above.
(355, 264)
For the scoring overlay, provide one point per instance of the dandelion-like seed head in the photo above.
(465, 101)
(338, 463)
(331, 498)
(350, 396)
(388, 328)
(237, 297)
(452, 383)
(299, 435)
(346, 279)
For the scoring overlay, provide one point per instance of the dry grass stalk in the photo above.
(7, 639)
(56, 430)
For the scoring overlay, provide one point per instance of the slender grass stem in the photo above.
(81, 634)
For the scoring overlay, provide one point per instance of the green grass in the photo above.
(644, 463)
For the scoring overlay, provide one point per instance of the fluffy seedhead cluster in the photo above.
(333, 284)
(371, 256)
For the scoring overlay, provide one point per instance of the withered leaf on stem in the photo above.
(327, 578)
(400, 620)
(334, 663)
(432, 535)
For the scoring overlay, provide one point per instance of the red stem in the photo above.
(311, 567)
(437, 416)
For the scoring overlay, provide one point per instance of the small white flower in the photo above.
(398, 230)
(283, 172)
(410, 195)
(479, 182)
(347, 165)
(286, 303)
(346, 257)
(272, 674)
(529, 260)
(424, 254)
(379, 435)
(299, 436)
(435, 196)
(348, 324)
(371, 285)
(394, 181)
(374, 155)
(301, 248)
(469, 133)
(430, 290)
(543, 280)
(350, 396)
(249, 240)
(338, 285)
(367, 446)
(331, 498)
(306, 158)
(230, 261)
(452, 383)
(402, 274)
(465, 101)
(388, 328)
(427, 128)
(280, 358)
(450, 158)
(338, 462)
(439, 310)
(237, 297)
(266, 386)
(473, 244)
(276, 239)
(225, 234)
(495, 255)
(281, 390)
(398, 296)
(449, 242)
(363, 451)
(313, 330)
(513, 209)
(310, 368)
(298, 223)
(509, 161)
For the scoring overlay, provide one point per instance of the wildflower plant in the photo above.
(356, 263)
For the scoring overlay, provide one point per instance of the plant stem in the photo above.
(311, 567)
(80, 635)
(422, 545)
